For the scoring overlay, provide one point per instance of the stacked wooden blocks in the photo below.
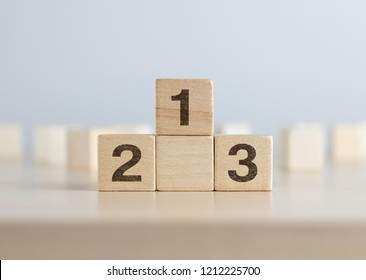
(184, 141)
(184, 155)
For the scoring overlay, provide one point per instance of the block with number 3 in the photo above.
(184, 107)
(126, 162)
(243, 163)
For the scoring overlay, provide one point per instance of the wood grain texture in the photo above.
(349, 142)
(109, 163)
(254, 178)
(200, 107)
(11, 148)
(184, 163)
(303, 147)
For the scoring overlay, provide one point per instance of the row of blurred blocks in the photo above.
(303, 146)
(75, 147)
(72, 146)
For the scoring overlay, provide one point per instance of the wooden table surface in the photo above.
(51, 213)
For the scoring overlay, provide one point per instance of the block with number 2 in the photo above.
(126, 162)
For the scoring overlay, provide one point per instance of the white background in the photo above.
(284, 270)
(95, 62)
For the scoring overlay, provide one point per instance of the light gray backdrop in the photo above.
(95, 62)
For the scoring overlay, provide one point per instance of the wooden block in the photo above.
(50, 145)
(57, 146)
(303, 147)
(243, 163)
(184, 163)
(234, 128)
(78, 148)
(349, 142)
(126, 163)
(11, 139)
(184, 107)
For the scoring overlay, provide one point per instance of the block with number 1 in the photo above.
(184, 107)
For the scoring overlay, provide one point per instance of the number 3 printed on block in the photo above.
(248, 162)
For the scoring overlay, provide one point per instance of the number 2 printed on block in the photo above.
(118, 175)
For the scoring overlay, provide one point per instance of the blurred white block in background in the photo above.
(11, 143)
(50, 145)
(40, 144)
(349, 142)
(78, 148)
(234, 128)
(303, 147)
(134, 129)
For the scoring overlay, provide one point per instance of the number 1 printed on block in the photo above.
(183, 97)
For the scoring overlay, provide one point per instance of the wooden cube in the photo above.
(349, 142)
(50, 145)
(303, 147)
(184, 163)
(39, 145)
(126, 163)
(11, 139)
(243, 163)
(78, 148)
(234, 128)
(184, 107)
